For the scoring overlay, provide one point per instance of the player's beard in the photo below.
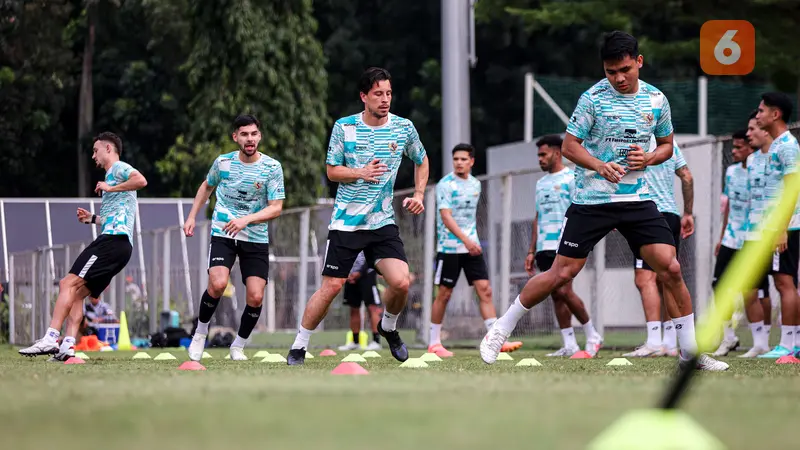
(377, 113)
(249, 152)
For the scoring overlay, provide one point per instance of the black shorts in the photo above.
(674, 224)
(343, 248)
(449, 265)
(101, 261)
(545, 259)
(364, 290)
(724, 258)
(253, 256)
(639, 222)
(786, 262)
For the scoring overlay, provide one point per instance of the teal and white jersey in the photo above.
(553, 196)
(118, 209)
(368, 206)
(738, 195)
(243, 189)
(461, 197)
(765, 173)
(608, 123)
(660, 179)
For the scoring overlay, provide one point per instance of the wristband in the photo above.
(94, 218)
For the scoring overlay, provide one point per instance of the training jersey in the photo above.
(243, 189)
(765, 173)
(660, 179)
(461, 197)
(118, 209)
(360, 205)
(738, 195)
(608, 123)
(553, 197)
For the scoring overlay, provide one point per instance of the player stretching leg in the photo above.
(362, 287)
(364, 154)
(250, 192)
(457, 195)
(102, 259)
(774, 167)
(553, 197)
(659, 181)
(604, 137)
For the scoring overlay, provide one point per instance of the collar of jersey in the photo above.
(361, 120)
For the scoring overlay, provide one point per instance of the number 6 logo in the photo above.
(727, 47)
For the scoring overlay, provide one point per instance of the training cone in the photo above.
(141, 355)
(74, 360)
(503, 356)
(327, 352)
(274, 358)
(528, 362)
(124, 341)
(206, 355)
(656, 429)
(414, 363)
(349, 368)
(309, 355)
(371, 354)
(581, 355)
(619, 362)
(191, 365)
(81, 355)
(788, 359)
(428, 357)
(228, 356)
(354, 357)
(164, 357)
(261, 354)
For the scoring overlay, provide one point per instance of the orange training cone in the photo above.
(327, 352)
(583, 354)
(74, 360)
(191, 365)
(349, 368)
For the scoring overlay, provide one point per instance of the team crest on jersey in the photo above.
(393, 146)
(648, 117)
(258, 185)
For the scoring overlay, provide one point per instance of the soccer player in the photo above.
(104, 258)
(659, 181)
(250, 193)
(553, 197)
(364, 154)
(770, 168)
(457, 195)
(736, 202)
(611, 122)
(362, 287)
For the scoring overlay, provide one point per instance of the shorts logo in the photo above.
(332, 267)
(570, 244)
(218, 259)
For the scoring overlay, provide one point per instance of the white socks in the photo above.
(670, 340)
(654, 334)
(202, 328)
(684, 329)
(389, 321)
(590, 331)
(239, 342)
(303, 336)
(568, 336)
(436, 334)
(51, 335)
(489, 322)
(729, 334)
(68, 342)
(760, 335)
(515, 312)
(787, 336)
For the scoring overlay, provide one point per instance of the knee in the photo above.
(485, 293)
(332, 286)
(216, 287)
(563, 275)
(672, 273)
(255, 298)
(400, 284)
(641, 280)
(444, 293)
(66, 284)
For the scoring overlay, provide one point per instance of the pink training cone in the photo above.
(327, 352)
(581, 355)
(349, 368)
(74, 360)
(788, 359)
(191, 365)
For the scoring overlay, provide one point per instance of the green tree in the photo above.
(258, 57)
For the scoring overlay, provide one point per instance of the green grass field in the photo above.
(113, 402)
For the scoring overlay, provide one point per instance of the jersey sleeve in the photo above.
(664, 122)
(336, 146)
(213, 174)
(680, 162)
(275, 189)
(443, 196)
(122, 171)
(414, 150)
(582, 120)
(788, 156)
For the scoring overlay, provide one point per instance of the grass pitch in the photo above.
(113, 402)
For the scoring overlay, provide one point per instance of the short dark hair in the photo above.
(243, 120)
(753, 115)
(779, 100)
(617, 45)
(551, 140)
(464, 148)
(108, 136)
(740, 134)
(372, 76)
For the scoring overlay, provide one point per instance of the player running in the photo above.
(457, 195)
(362, 287)
(364, 154)
(250, 192)
(769, 169)
(659, 181)
(611, 122)
(104, 258)
(553, 197)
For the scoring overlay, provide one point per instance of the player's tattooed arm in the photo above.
(687, 188)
